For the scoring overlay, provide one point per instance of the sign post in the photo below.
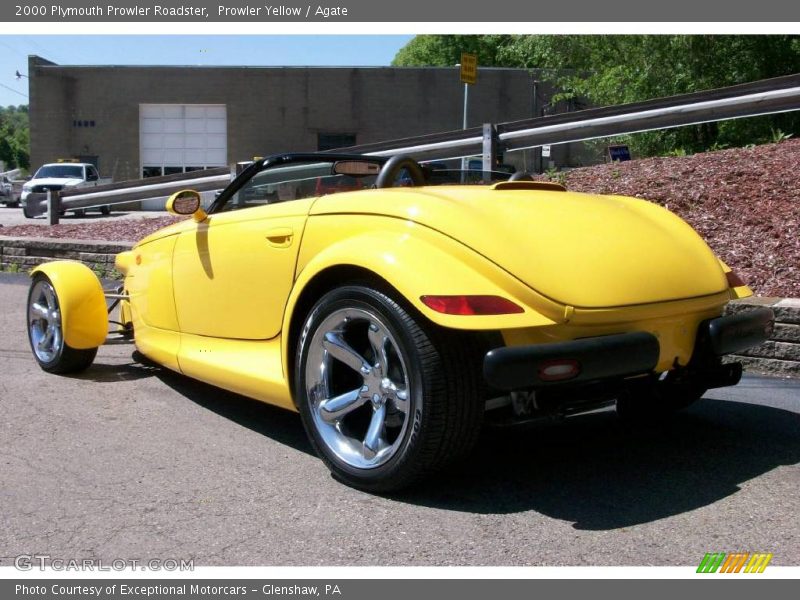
(469, 74)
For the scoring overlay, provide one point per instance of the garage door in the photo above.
(176, 138)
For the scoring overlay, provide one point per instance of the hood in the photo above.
(65, 181)
(587, 251)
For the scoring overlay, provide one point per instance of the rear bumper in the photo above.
(619, 356)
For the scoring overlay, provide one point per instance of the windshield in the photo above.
(293, 182)
(60, 171)
(288, 177)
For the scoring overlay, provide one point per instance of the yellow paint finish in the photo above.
(576, 249)
(578, 265)
(159, 345)
(742, 291)
(251, 368)
(417, 261)
(124, 261)
(149, 284)
(233, 272)
(84, 315)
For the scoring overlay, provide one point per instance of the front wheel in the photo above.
(46, 333)
(385, 396)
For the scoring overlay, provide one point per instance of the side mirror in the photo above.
(185, 203)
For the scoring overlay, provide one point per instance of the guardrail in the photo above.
(768, 96)
(54, 202)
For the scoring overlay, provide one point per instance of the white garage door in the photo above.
(176, 138)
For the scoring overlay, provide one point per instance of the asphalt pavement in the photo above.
(131, 461)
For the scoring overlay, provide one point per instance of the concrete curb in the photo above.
(779, 356)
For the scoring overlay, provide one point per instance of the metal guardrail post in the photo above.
(53, 206)
(489, 150)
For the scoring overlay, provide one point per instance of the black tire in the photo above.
(79, 212)
(439, 370)
(650, 400)
(27, 212)
(57, 357)
(105, 210)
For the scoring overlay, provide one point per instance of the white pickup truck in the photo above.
(60, 175)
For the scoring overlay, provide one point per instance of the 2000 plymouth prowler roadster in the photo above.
(400, 313)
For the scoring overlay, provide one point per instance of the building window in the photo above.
(152, 172)
(168, 170)
(331, 141)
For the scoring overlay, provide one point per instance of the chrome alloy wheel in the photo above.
(44, 322)
(358, 388)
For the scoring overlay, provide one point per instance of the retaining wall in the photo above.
(779, 356)
(24, 253)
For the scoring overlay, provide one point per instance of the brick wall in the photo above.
(781, 354)
(25, 253)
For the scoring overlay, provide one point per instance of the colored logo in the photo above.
(737, 562)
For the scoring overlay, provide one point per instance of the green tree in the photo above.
(617, 69)
(445, 50)
(15, 137)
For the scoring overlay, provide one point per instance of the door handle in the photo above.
(280, 237)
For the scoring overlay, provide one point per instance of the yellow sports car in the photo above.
(398, 307)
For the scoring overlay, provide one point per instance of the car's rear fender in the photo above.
(84, 315)
(412, 259)
(416, 261)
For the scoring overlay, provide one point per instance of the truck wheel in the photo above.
(386, 397)
(46, 334)
(27, 212)
(105, 210)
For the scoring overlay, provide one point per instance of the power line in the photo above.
(10, 89)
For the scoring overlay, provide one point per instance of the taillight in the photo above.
(559, 370)
(471, 305)
(734, 280)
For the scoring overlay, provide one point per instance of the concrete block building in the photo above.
(139, 121)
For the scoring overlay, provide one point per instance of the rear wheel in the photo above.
(46, 333)
(105, 210)
(385, 396)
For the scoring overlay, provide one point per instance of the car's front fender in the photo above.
(84, 316)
